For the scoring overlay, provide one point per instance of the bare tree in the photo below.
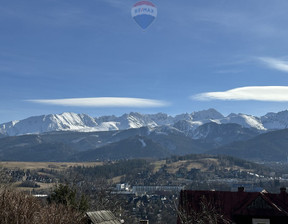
(5, 178)
(58, 214)
(208, 213)
(17, 207)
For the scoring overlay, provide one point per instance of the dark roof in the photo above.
(237, 203)
(103, 217)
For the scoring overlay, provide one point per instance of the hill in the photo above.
(272, 146)
(133, 147)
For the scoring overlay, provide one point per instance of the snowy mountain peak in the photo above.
(275, 120)
(181, 117)
(185, 123)
(135, 120)
(48, 123)
(246, 121)
(206, 115)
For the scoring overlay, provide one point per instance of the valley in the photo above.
(137, 187)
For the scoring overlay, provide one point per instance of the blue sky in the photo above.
(91, 57)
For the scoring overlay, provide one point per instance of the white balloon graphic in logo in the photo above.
(144, 13)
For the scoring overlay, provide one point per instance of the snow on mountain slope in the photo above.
(204, 115)
(161, 118)
(183, 117)
(187, 126)
(134, 120)
(83, 123)
(275, 120)
(7, 126)
(47, 123)
(246, 121)
(102, 119)
(218, 134)
(137, 120)
(143, 143)
(108, 126)
(185, 123)
(189, 122)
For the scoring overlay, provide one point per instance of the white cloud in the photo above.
(103, 102)
(274, 63)
(258, 93)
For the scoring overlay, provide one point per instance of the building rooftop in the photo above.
(103, 217)
(236, 204)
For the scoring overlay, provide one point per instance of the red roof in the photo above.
(231, 204)
(144, 3)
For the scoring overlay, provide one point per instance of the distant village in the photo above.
(143, 200)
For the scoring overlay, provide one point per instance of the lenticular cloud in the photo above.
(259, 93)
(103, 102)
(274, 63)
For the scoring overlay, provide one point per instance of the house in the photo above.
(102, 217)
(152, 189)
(233, 207)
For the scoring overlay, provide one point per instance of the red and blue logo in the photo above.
(144, 13)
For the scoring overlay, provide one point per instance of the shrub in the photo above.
(17, 207)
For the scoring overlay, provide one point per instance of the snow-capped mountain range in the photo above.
(186, 123)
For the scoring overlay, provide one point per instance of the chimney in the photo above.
(241, 189)
(283, 190)
(144, 221)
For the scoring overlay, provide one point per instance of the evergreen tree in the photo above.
(66, 195)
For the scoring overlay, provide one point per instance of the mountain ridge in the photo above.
(271, 146)
(186, 122)
(144, 142)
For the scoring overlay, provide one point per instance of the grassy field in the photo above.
(37, 166)
(202, 164)
(45, 165)
(171, 167)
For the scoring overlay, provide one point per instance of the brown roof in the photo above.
(103, 217)
(232, 204)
